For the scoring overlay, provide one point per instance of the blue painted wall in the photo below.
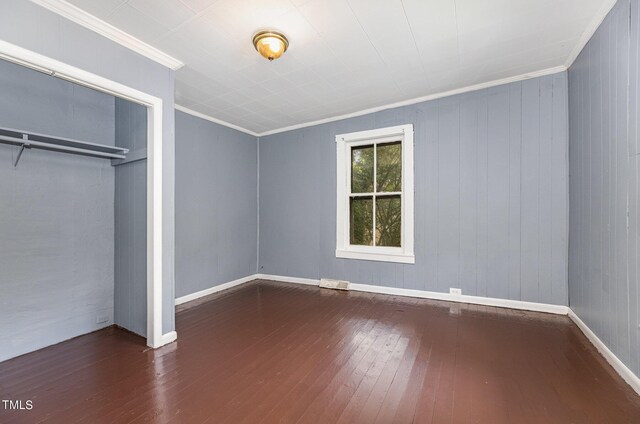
(33, 27)
(130, 282)
(56, 215)
(491, 196)
(604, 183)
(216, 203)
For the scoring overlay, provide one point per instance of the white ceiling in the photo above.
(345, 56)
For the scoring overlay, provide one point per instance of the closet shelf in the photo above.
(31, 140)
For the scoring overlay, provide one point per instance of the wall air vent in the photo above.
(326, 283)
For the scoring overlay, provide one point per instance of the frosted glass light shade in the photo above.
(271, 45)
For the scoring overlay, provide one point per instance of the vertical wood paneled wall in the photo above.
(491, 201)
(604, 188)
(216, 203)
(130, 283)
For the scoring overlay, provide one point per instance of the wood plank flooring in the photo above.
(269, 352)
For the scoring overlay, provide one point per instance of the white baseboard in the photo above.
(476, 300)
(214, 289)
(487, 301)
(611, 358)
(283, 279)
(169, 337)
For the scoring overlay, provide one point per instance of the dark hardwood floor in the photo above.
(272, 352)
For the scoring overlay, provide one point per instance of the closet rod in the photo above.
(48, 146)
(59, 145)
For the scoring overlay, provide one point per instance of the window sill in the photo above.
(401, 258)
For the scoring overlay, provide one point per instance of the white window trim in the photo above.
(344, 249)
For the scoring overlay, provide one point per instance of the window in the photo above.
(375, 195)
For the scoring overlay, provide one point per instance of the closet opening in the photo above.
(80, 215)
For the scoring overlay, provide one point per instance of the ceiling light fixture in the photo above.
(270, 44)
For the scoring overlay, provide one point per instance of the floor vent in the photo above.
(334, 284)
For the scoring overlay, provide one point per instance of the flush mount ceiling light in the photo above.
(270, 44)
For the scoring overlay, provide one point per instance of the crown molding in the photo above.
(87, 20)
(215, 120)
(79, 16)
(495, 83)
(590, 31)
(416, 100)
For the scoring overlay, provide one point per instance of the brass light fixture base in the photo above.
(270, 44)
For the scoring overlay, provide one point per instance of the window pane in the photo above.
(362, 169)
(361, 221)
(388, 221)
(389, 167)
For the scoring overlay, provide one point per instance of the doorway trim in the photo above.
(53, 67)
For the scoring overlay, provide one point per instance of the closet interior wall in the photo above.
(72, 228)
(130, 238)
(56, 214)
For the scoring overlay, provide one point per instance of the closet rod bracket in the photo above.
(25, 145)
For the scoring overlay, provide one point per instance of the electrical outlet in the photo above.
(457, 292)
(101, 318)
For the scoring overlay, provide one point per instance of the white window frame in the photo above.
(344, 143)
